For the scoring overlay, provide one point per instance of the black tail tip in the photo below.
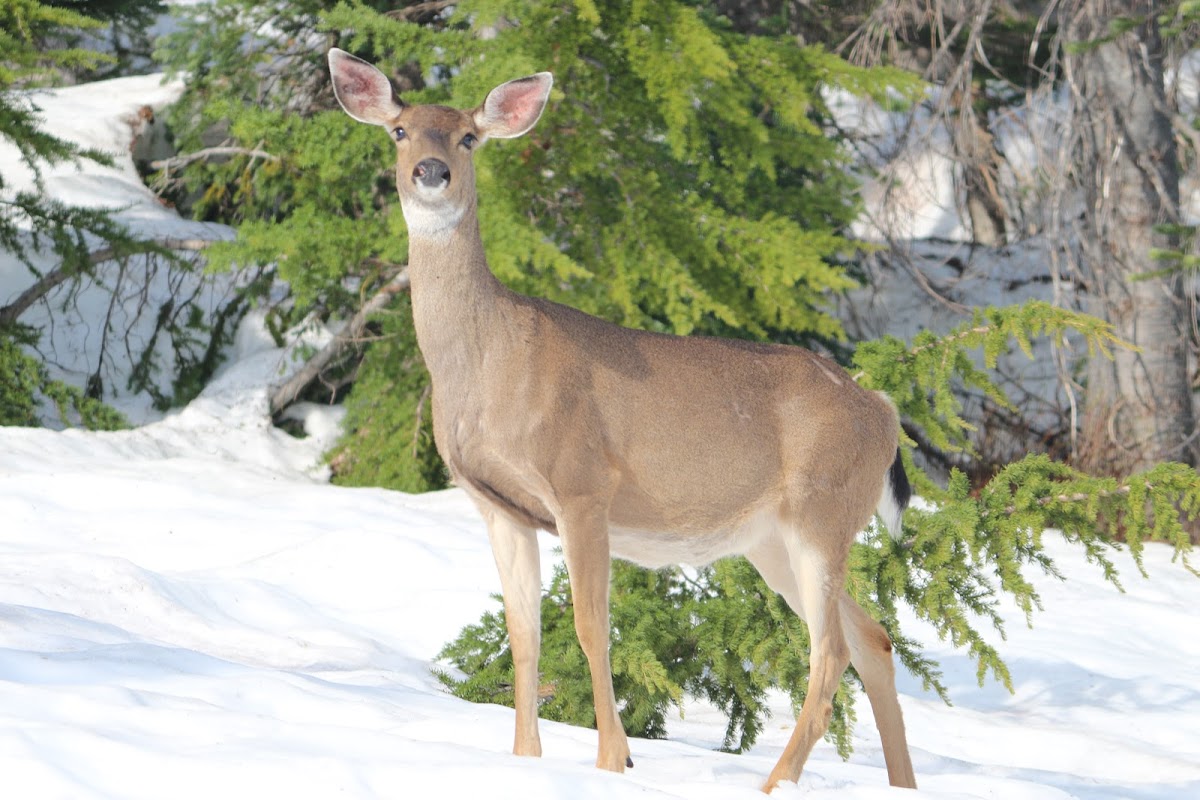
(629, 762)
(901, 488)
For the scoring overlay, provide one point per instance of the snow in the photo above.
(104, 116)
(189, 610)
(909, 181)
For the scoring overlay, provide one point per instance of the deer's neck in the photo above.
(455, 299)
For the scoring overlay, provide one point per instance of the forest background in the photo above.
(696, 173)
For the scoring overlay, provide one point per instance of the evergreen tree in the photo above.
(30, 222)
(163, 333)
(124, 33)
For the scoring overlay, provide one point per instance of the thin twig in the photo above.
(48, 281)
(416, 440)
(210, 152)
(414, 11)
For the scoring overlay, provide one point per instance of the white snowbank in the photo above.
(82, 324)
(186, 611)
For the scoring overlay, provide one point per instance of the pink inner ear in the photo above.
(513, 108)
(355, 82)
(364, 92)
(521, 106)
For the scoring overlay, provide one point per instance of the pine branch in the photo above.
(1079, 497)
(945, 343)
(1013, 322)
(926, 378)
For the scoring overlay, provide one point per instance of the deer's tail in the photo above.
(897, 492)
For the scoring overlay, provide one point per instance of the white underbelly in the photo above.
(655, 549)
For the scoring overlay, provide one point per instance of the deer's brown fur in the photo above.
(657, 449)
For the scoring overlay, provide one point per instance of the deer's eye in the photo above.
(399, 133)
(470, 140)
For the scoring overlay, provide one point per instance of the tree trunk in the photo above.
(1138, 408)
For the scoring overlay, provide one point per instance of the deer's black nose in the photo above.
(432, 173)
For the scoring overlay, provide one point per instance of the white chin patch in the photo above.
(430, 219)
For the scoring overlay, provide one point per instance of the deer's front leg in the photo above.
(516, 552)
(584, 534)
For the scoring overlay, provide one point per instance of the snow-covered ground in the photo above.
(188, 609)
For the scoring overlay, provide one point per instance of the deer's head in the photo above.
(434, 144)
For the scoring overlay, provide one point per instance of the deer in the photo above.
(653, 448)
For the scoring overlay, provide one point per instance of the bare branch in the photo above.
(210, 152)
(416, 440)
(414, 11)
(351, 332)
(167, 242)
(47, 282)
(40, 288)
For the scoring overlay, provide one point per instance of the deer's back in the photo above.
(682, 433)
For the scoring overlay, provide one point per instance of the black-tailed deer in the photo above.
(656, 449)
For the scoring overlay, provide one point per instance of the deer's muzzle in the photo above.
(431, 174)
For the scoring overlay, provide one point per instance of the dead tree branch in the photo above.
(47, 282)
(286, 394)
(210, 152)
(413, 12)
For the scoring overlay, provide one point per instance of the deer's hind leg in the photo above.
(871, 654)
(812, 582)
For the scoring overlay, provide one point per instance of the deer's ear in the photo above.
(513, 108)
(364, 92)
